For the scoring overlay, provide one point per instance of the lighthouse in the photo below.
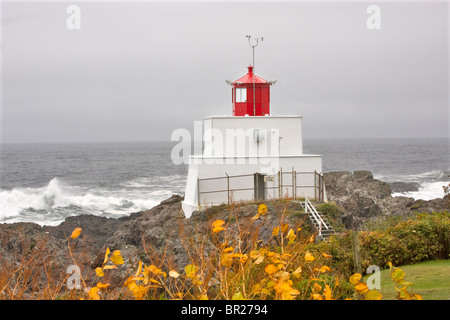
(253, 154)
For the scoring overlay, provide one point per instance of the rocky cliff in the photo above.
(363, 197)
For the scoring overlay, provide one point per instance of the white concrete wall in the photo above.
(234, 136)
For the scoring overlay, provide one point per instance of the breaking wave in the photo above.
(51, 204)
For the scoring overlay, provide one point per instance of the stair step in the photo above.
(325, 233)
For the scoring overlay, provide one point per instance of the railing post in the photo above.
(321, 187)
(228, 190)
(281, 183)
(320, 229)
(198, 193)
(315, 186)
(279, 188)
(293, 184)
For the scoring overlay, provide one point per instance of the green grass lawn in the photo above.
(431, 280)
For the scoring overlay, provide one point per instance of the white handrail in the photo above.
(315, 214)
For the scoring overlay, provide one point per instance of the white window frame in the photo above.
(241, 95)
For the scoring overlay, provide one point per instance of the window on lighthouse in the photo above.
(241, 94)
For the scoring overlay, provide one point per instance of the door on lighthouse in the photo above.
(259, 186)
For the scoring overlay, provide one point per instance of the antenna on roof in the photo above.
(253, 46)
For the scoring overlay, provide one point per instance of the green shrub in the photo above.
(333, 212)
(422, 237)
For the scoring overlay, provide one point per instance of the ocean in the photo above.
(46, 183)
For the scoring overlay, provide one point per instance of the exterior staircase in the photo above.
(317, 221)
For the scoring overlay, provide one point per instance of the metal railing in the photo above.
(315, 214)
(293, 184)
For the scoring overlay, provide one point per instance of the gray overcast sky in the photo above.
(139, 70)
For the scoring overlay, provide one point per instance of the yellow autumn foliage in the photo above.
(239, 268)
(75, 233)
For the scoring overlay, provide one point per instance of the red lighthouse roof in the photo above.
(250, 77)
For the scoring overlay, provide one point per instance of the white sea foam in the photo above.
(427, 191)
(56, 201)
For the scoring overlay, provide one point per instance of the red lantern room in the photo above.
(251, 95)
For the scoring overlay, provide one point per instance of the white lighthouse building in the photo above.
(252, 155)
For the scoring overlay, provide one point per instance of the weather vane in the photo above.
(253, 46)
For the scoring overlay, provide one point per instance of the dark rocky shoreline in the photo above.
(159, 231)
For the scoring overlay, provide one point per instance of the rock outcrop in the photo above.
(362, 197)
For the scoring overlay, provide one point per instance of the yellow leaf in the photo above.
(155, 270)
(138, 291)
(154, 281)
(404, 294)
(275, 231)
(179, 295)
(116, 258)
(397, 275)
(255, 217)
(109, 267)
(297, 272)
(243, 259)
(390, 265)
(218, 229)
(265, 291)
(336, 282)
(317, 287)
(328, 293)
(354, 279)
(291, 236)
(282, 285)
(218, 223)
(203, 297)
(174, 274)
(229, 249)
(289, 294)
(324, 269)
(283, 275)
(317, 296)
(93, 293)
(270, 269)
(75, 233)
(361, 287)
(99, 272)
(418, 297)
(255, 254)
(404, 283)
(238, 296)
(284, 227)
(102, 285)
(270, 284)
(326, 255)
(106, 255)
(262, 209)
(309, 257)
(226, 260)
(260, 259)
(190, 270)
(373, 295)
